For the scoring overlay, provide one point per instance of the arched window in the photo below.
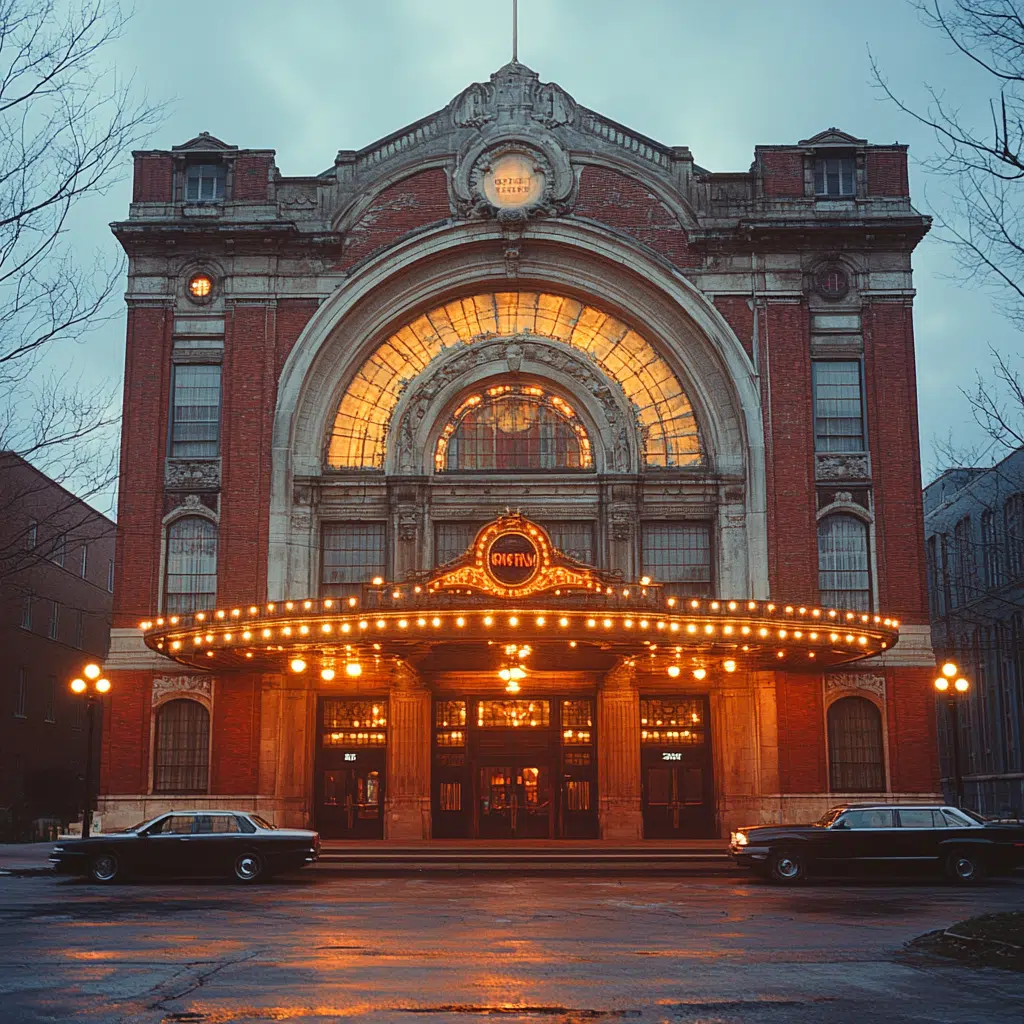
(181, 760)
(844, 576)
(855, 759)
(191, 577)
(511, 428)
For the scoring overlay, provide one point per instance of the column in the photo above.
(618, 758)
(407, 793)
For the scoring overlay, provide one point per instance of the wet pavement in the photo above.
(520, 948)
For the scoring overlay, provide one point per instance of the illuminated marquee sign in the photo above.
(513, 559)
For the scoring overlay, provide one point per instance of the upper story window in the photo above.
(1013, 523)
(353, 553)
(195, 411)
(60, 550)
(110, 575)
(511, 428)
(204, 183)
(844, 573)
(21, 694)
(838, 406)
(964, 562)
(191, 579)
(32, 535)
(990, 548)
(83, 565)
(678, 553)
(835, 176)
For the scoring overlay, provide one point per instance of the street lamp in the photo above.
(953, 686)
(91, 685)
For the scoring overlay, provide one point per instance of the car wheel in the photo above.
(965, 867)
(248, 867)
(787, 867)
(104, 868)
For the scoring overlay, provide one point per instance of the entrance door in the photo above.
(514, 801)
(677, 803)
(350, 795)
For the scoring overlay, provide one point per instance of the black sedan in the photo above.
(189, 843)
(900, 839)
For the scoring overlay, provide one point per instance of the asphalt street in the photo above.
(515, 948)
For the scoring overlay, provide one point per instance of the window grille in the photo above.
(191, 578)
(182, 760)
(574, 538)
(676, 722)
(678, 552)
(21, 694)
(835, 176)
(844, 576)
(353, 553)
(195, 411)
(452, 539)
(50, 712)
(513, 714)
(204, 183)
(838, 408)
(856, 762)
(1013, 520)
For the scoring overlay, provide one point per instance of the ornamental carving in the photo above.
(169, 687)
(855, 681)
(192, 474)
(514, 95)
(843, 467)
(622, 522)
(408, 523)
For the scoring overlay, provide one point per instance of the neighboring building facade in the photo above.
(56, 584)
(974, 525)
(515, 303)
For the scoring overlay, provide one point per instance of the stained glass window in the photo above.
(355, 714)
(511, 714)
(675, 722)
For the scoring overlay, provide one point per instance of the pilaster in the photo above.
(407, 796)
(618, 756)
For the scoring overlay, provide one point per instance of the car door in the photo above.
(214, 843)
(862, 836)
(167, 853)
(921, 831)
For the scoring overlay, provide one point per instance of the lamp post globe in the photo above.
(91, 686)
(952, 686)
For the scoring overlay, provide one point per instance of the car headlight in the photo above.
(740, 838)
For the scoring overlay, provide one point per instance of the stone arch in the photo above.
(558, 256)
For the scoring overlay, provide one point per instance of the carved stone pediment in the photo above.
(192, 474)
(514, 95)
(838, 466)
(169, 687)
(855, 681)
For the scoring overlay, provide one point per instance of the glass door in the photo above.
(350, 798)
(514, 801)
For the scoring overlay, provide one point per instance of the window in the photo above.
(80, 629)
(54, 620)
(964, 582)
(677, 722)
(195, 411)
(110, 576)
(838, 412)
(21, 694)
(679, 553)
(173, 825)
(32, 535)
(452, 539)
(835, 176)
(59, 552)
(83, 565)
(855, 762)
(844, 578)
(50, 712)
(204, 183)
(575, 539)
(511, 714)
(78, 714)
(26, 611)
(217, 824)
(921, 818)
(510, 428)
(353, 553)
(191, 578)
(1013, 521)
(878, 818)
(182, 758)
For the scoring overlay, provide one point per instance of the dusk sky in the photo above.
(313, 76)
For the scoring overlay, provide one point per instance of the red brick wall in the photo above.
(740, 318)
(913, 745)
(782, 172)
(887, 172)
(626, 205)
(154, 175)
(252, 177)
(143, 447)
(292, 317)
(801, 724)
(789, 451)
(236, 733)
(412, 203)
(126, 732)
(891, 393)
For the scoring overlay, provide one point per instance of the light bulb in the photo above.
(353, 668)
(298, 665)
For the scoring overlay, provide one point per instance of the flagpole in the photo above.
(515, 31)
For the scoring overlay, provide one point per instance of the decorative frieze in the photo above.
(836, 466)
(855, 681)
(192, 474)
(167, 687)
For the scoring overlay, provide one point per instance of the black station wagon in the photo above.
(899, 839)
(189, 843)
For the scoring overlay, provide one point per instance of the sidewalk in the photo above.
(25, 858)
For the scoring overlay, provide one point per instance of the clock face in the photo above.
(832, 282)
(512, 181)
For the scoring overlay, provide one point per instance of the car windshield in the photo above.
(973, 815)
(262, 822)
(828, 817)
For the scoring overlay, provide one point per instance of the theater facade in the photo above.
(517, 477)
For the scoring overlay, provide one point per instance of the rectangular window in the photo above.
(50, 714)
(110, 576)
(80, 629)
(353, 553)
(21, 694)
(83, 565)
(835, 176)
(204, 183)
(838, 409)
(574, 538)
(964, 582)
(452, 540)
(26, 612)
(510, 714)
(679, 553)
(78, 714)
(195, 411)
(54, 620)
(32, 535)
(673, 722)
(990, 547)
(60, 550)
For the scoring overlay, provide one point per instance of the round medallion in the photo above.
(512, 559)
(512, 181)
(200, 287)
(831, 282)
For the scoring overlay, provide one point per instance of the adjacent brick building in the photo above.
(705, 379)
(56, 583)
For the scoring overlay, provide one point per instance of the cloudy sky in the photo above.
(309, 77)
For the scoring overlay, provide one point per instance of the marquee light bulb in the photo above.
(298, 665)
(699, 673)
(673, 670)
(354, 669)
(327, 674)
(729, 665)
